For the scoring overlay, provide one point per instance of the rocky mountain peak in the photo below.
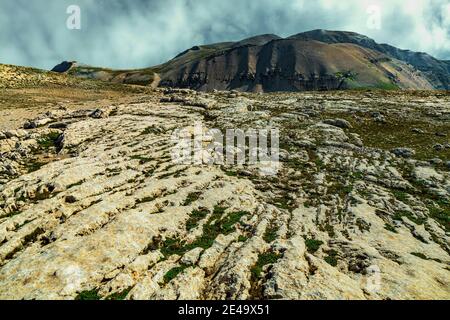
(305, 61)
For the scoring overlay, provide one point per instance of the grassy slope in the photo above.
(146, 76)
(22, 87)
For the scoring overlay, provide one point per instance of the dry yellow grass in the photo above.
(27, 92)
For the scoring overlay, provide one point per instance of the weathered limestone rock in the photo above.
(404, 152)
(340, 123)
(95, 203)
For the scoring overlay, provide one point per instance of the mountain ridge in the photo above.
(251, 65)
(421, 60)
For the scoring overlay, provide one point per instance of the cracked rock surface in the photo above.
(92, 205)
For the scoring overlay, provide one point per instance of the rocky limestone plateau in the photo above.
(93, 207)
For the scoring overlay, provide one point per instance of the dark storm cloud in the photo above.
(140, 33)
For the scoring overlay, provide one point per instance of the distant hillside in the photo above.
(314, 60)
(436, 71)
(16, 77)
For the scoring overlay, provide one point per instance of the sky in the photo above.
(141, 33)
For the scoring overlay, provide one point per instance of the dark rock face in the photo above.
(274, 66)
(285, 65)
(63, 67)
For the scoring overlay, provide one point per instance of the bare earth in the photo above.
(91, 204)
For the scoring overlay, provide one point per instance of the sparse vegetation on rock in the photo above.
(108, 209)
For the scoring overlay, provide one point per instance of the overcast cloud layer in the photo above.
(142, 33)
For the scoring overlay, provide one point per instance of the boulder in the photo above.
(378, 117)
(97, 114)
(438, 147)
(71, 199)
(436, 161)
(29, 124)
(340, 123)
(11, 134)
(58, 125)
(403, 152)
(33, 124)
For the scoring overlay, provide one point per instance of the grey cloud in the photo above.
(140, 33)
